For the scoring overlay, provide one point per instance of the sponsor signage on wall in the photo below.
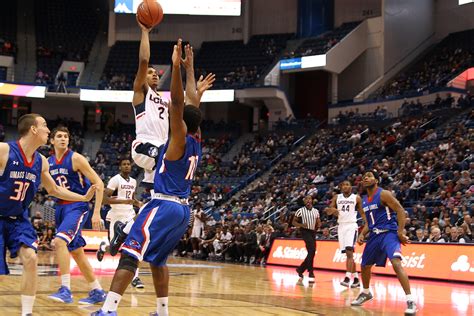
(21, 90)
(93, 238)
(434, 261)
(304, 62)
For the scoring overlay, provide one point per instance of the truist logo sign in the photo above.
(462, 265)
(414, 260)
(290, 253)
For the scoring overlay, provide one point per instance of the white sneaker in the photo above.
(411, 308)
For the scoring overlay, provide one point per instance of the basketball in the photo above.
(150, 13)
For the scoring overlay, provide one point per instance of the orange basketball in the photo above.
(150, 13)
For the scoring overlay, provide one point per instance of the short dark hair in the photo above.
(121, 159)
(25, 122)
(60, 129)
(192, 116)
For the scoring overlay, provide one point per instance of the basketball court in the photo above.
(211, 288)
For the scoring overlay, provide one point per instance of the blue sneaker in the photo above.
(63, 295)
(154, 314)
(102, 313)
(95, 296)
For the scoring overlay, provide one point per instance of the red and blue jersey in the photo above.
(19, 181)
(63, 173)
(378, 215)
(176, 177)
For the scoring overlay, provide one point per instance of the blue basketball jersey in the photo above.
(175, 177)
(378, 215)
(19, 181)
(63, 173)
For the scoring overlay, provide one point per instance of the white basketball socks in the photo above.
(66, 280)
(27, 303)
(162, 306)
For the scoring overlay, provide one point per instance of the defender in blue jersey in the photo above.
(384, 222)
(72, 171)
(162, 222)
(22, 170)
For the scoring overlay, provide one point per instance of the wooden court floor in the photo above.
(209, 288)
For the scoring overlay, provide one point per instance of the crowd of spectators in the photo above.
(426, 162)
(450, 57)
(434, 183)
(115, 82)
(323, 43)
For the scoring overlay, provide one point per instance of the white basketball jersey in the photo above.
(197, 221)
(347, 208)
(152, 119)
(125, 190)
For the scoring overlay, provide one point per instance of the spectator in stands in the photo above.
(37, 219)
(420, 236)
(46, 243)
(435, 236)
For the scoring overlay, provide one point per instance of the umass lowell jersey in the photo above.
(378, 215)
(175, 177)
(19, 182)
(65, 176)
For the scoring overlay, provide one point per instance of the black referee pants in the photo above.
(309, 237)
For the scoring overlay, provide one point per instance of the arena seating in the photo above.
(122, 63)
(8, 28)
(54, 43)
(239, 65)
(324, 42)
(446, 60)
(404, 152)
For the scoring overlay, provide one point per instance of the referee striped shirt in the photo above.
(308, 216)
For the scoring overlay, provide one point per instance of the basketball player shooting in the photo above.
(161, 223)
(194, 93)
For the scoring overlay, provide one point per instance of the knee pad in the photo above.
(128, 263)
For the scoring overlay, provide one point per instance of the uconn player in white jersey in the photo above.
(152, 117)
(151, 110)
(120, 195)
(345, 206)
(151, 113)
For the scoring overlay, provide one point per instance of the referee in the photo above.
(307, 219)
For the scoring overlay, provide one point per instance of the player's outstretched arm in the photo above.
(194, 93)
(387, 199)
(60, 192)
(82, 165)
(140, 85)
(204, 83)
(178, 130)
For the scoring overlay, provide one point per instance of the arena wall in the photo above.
(407, 24)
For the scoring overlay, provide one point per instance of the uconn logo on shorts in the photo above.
(135, 244)
(153, 152)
